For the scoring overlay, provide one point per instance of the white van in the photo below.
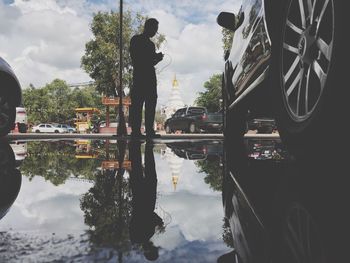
(21, 119)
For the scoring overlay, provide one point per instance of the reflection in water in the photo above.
(10, 178)
(98, 201)
(143, 180)
(284, 210)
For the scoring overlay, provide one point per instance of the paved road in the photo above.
(96, 136)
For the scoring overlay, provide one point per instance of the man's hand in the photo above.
(160, 56)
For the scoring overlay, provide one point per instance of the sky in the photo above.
(45, 39)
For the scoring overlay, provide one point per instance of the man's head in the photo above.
(151, 27)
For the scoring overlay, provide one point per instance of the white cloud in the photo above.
(45, 39)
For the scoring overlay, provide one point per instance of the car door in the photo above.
(41, 128)
(174, 122)
(181, 120)
(251, 49)
(49, 128)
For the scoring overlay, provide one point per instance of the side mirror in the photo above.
(227, 20)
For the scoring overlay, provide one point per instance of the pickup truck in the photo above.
(194, 120)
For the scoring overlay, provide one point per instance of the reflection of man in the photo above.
(143, 183)
(144, 90)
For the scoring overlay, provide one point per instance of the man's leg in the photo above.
(150, 111)
(136, 114)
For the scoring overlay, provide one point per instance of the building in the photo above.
(175, 102)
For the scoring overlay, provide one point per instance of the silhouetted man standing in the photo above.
(144, 90)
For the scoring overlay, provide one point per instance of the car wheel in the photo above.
(37, 131)
(192, 128)
(7, 115)
(306, 72)
(167, 129)
(56, 131)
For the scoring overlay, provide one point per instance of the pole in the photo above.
(121, 131)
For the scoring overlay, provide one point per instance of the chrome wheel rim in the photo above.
(303, 236)
(5, 111)
(306, 55)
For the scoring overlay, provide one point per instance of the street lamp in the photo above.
(121, 123)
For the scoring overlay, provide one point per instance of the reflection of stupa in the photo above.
(175, 102)
(175, 165)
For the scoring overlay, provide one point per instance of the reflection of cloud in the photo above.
(189, 213)
(49, 208)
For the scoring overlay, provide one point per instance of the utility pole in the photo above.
(121, 131)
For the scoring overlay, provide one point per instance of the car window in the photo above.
(48, 126)
(196, 111)
(42, 126)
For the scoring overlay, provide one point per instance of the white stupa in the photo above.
(175, 102)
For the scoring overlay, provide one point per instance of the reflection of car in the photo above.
(10, 97)
(10, 178)
(46, 127)
(20, 150)
(196, 150)
(291, 54)
(291, 211)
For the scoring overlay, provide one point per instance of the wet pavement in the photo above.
(171, 201)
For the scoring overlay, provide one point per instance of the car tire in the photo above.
(168, 129)
(306, 77)
(56, 131)
(192, 128)
(37, 131)
(7, 114)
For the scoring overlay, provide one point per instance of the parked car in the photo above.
(67, 128)
(48, 128)
(287, 58)
(262, 125)
(193, 120)
(10, 97)
(21, 119)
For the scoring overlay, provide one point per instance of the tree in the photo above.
(55, 102)
(211, 97)
(101, 59)
(227, 39)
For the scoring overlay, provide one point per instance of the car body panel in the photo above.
(250, 52)
(9, 79)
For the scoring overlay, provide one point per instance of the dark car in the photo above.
(285, 210)
(187, 119)
(194, 120)
(287, 58)
(262, 125)
(10, 97)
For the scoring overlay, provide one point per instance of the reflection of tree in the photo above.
(212, 167)
(55, 161)
(107, 208)
(226, 233)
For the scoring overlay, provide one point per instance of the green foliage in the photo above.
(55, 102)
(227, 39)
(107, 210)
(101, 59)
(210, 98)
(56, 162)
(214, 172)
